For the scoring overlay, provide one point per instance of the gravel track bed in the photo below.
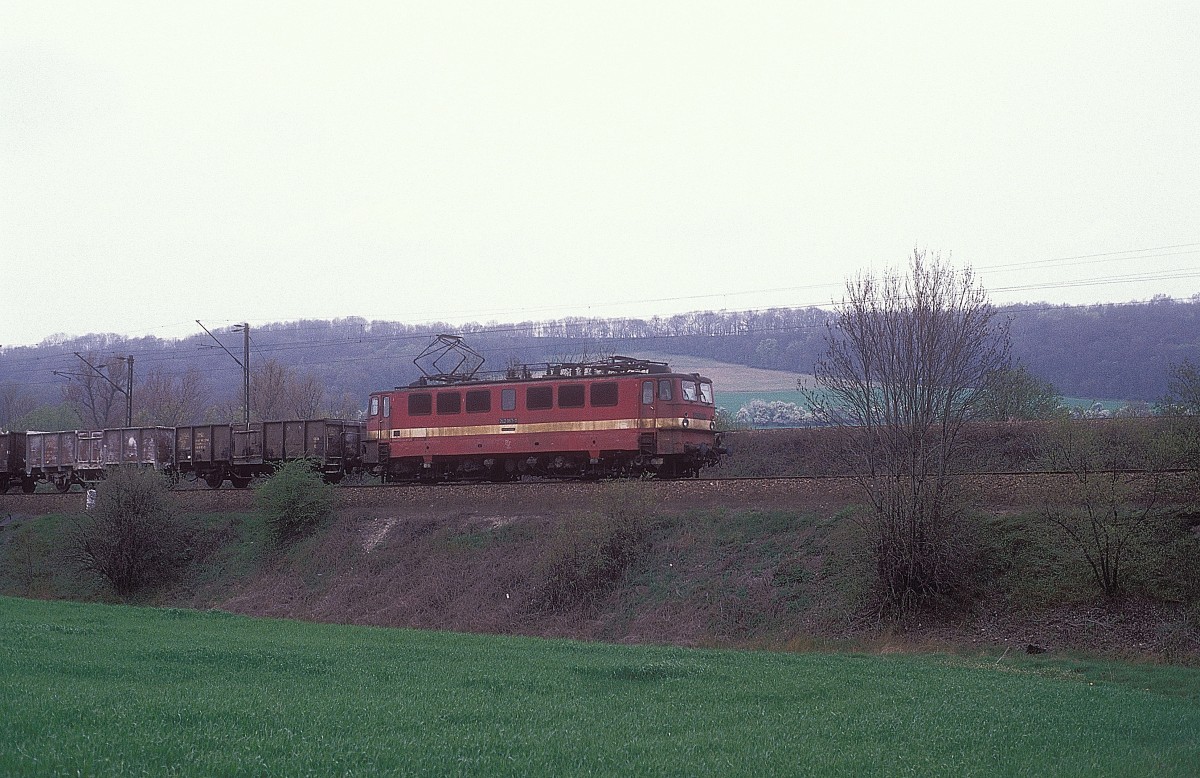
(990, 491)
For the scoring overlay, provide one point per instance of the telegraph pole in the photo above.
(243, 363)
(129, 394)
(245, 327)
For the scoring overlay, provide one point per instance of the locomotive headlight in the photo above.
(685, 421)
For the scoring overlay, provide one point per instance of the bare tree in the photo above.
(15, 402)
(100, 402)
(347, 405)
(278, 391)
(907, 357)
(306, 395)
(163, 398)
(1017, 394)
(269, 389)
(1183, 391)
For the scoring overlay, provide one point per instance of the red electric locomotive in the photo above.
(609, 418)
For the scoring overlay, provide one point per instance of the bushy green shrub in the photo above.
(133, 537)
(294, 501)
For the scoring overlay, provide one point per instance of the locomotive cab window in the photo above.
(479, 401)
(449, 403)
(570, 396)
(706, 393)
(387, 407)
(374, 406)
(647, 392)
(508, 399)
(604, 395)
(539, 398)
(664, 389)
(420, 404)
(690, 391)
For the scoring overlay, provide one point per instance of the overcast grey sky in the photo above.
(162, 162)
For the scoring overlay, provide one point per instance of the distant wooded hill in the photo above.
(1103, 351)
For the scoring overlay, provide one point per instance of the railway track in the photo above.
(994, 490)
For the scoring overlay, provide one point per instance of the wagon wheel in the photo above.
(28, 485)
(214, 479)
(62, 485)
(239, 481)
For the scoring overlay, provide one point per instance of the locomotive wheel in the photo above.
(214, 480)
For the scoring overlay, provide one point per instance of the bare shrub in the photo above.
(1110, 515)
(133, 537)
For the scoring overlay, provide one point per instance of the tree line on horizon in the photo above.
(327, 368)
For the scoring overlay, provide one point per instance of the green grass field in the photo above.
(108, 690)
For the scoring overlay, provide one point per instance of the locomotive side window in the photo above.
(664, 388)
(387, 407)
(647, 392)
(570, 396)
(706, 393)
(539, 398)
(420, 404)
(449, 403)
(604, 395)
(508, 399)
(374, 406)
(690, 391)
(479, 401)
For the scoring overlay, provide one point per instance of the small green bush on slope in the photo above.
(295, 501)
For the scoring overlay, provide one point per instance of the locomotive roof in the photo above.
(610, 367)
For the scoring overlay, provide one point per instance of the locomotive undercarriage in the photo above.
(562, 465)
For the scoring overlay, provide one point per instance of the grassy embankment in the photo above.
(730, 566)
(118, 690)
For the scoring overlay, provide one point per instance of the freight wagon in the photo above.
(215, 453)
(212, 453)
